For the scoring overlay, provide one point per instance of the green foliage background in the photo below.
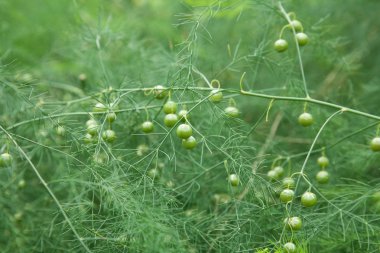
(123, 45)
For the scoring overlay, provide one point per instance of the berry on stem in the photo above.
(170, 107)
(170, 119)
(293, 223)
(288, 182)
(159, 91)
(308, 199)
(322, 177)
(183, 115)
(5, 159)
(287, 195)
(305, 119)
(147, 126)
(234, 180)
(375, 144)
(231, 112)
(111, 117)
(281, 45)
(109, 135)
(297, 25)
(289, 247)
(216, 95)
(184, 131)
(302, 39)
(323, 161)
(189, 143)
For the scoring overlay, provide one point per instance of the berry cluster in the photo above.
(302, 39)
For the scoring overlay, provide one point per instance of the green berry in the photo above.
(293, 223)
(290, 247)
(183, 115)
(60, 130)
(184, 131)
(288, 182)
(305, 119)
(189, 143)
(147, 127)
(5, 160)
(280, 45)
(375, 144)
(159, 91)
(308, 199)
(322, 177)
(297, 25)
(279, 170)
(302, 39)
(170, 120)
(109, 135)
(111, 117)
(234, 180)
(287, 195)
(99, 107)
(170, 107)
(216, 96)
(323, 161)
(231, 112)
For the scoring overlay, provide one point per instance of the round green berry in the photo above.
(216, 96)
(189, 143)
(288, 182)
(302, 39)
(293, 223)
(5, 159)
(170, 120)
(147, 126)
(308, 199)
(375, 144)
(323, 161)
(287, 195)
(170, 107)
(231, 112)
(322, 177)
(159, 91)
(305, 119)
(297, 25)
(281, 45)
(111, 117)
(234, 180)
(290, 247)
(109, 135)
(184, 131)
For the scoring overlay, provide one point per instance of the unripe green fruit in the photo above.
(287, 195)
(216, 95)
(293, 223)
(375, 144)
(170, 107)
(234, 180)
(60, 130)
(302, 39)
(147, 127)
(111, 117)
(323, 161)
(322, 177)
(281, 45)
(305, 119)
(288, 182)
(93, 129)
(99, 107)
(279, 170)
(153, 173)
(183, 115)
(189, 143)
(308, 199)
(272, 175)
(231, 112)
(184, 131)
(290, 247)
(159, 91)
(5, 160)
(109, 135)
(297, 25)
(170, 120)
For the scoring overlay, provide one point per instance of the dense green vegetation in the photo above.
(179, 126)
